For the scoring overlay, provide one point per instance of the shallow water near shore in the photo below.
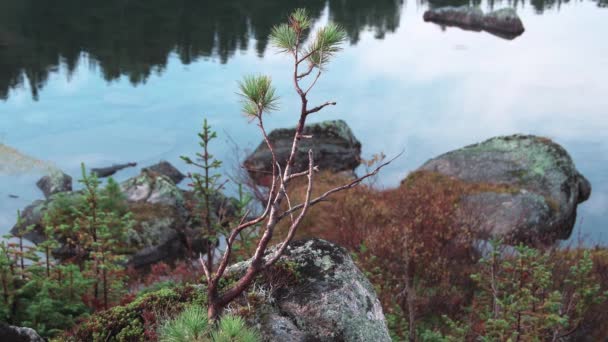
(138, 90)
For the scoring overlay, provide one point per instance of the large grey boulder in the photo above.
(56, 181)
(537, 187)
(503, 22)
(10, 333)
(332, 300)
(334, 145)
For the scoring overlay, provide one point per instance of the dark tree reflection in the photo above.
(134, 38)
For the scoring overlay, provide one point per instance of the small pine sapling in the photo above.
(259, 98)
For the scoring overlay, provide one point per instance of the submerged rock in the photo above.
(543, 187)
(166, 169)
(11, 333)
(503, 22)
(56, 181)
(334, 145)
(13, 162)
(332, 301)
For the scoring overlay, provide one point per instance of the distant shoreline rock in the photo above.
(503, 22)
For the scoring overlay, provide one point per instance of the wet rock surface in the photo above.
(543, 190)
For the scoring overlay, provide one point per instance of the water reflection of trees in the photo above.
(134, 38)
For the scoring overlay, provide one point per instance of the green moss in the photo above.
(126, 322)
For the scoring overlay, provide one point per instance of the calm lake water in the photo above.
(111, 81)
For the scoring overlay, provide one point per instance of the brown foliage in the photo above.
(419, 229)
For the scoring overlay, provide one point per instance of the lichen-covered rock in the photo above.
(545, 187)
(503, 22)
(167, 169)
(152, 187)
(333, 301)
(333, 143)
(11, 333)
(56, 181)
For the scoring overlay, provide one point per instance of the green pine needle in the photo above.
(327, 42)
(284, 37)
(258, 95)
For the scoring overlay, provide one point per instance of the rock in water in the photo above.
(469, 17)
(9, 333)
(56, 181)
(165, 168)
(334, 145)
(504, 22)
(545, 187)
(102, 172)
(332, 302)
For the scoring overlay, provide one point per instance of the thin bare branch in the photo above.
(300, 174)
(313, 83)
(284, 190)
(318, 108)
(205, 268)
(310, 68)
(236, 231)
(294, 225)
(340, 188)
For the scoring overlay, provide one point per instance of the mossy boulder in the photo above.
(313, 293)
(538, 187)
(331, 301)
(334, 145)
